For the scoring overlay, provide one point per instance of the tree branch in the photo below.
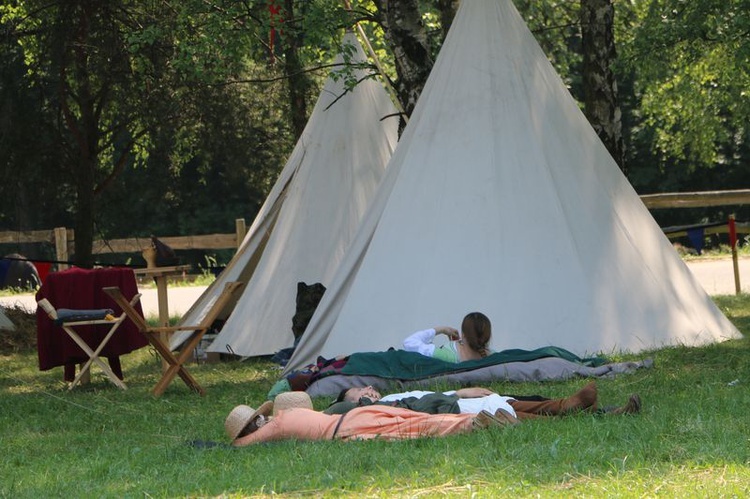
(119, 164)
(284, 77)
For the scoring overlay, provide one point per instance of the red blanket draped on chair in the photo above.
(82, 289)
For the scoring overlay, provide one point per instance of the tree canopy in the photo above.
(179, 114)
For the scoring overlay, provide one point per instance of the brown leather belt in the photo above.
(338, 425)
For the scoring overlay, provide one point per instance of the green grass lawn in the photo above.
(691, 440)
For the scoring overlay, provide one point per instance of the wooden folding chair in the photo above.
(154, 334)
(69, 327)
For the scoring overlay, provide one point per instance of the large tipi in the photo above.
(501, 198)
(311, 214)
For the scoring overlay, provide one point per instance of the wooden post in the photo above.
(240, 230)
(735, 262)
(162, 297)
(61, 247)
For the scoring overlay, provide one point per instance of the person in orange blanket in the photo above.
(294, 419)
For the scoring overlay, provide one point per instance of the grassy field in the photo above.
(691, 440)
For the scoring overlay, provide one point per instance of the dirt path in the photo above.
(717, 276)
(180, 300)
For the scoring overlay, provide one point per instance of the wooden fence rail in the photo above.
(742, 228)
(63, 238)
(696, 199)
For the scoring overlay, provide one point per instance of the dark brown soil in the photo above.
(23, 338)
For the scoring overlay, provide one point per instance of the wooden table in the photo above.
(161, 275)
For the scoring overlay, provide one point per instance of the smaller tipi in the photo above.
(306, 224)
(5, 323)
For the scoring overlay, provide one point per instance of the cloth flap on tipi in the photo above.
(501, 198)
(307, 222)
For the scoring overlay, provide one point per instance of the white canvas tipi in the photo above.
(500, 198)
(5, 322)
(310, 216)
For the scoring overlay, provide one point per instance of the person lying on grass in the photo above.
(477, 399)
(291, 417)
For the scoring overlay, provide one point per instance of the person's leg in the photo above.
(391, 423)
(530, 398)
(584, 399)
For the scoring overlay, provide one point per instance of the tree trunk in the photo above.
(84, 219)
(402, 24)
(599, 85)
(84, 128)
(299, 83)
(447, 10)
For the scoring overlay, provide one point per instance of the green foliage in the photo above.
(366, 12)
(188, 118)
(166, 102)
(693, 69)
(696, 109)
(29, 163)
(556, 27)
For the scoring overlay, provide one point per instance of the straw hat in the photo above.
(241, 416)
(291, 400)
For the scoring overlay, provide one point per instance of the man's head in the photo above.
(354, 394)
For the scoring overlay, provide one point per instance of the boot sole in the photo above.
(501, 417)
